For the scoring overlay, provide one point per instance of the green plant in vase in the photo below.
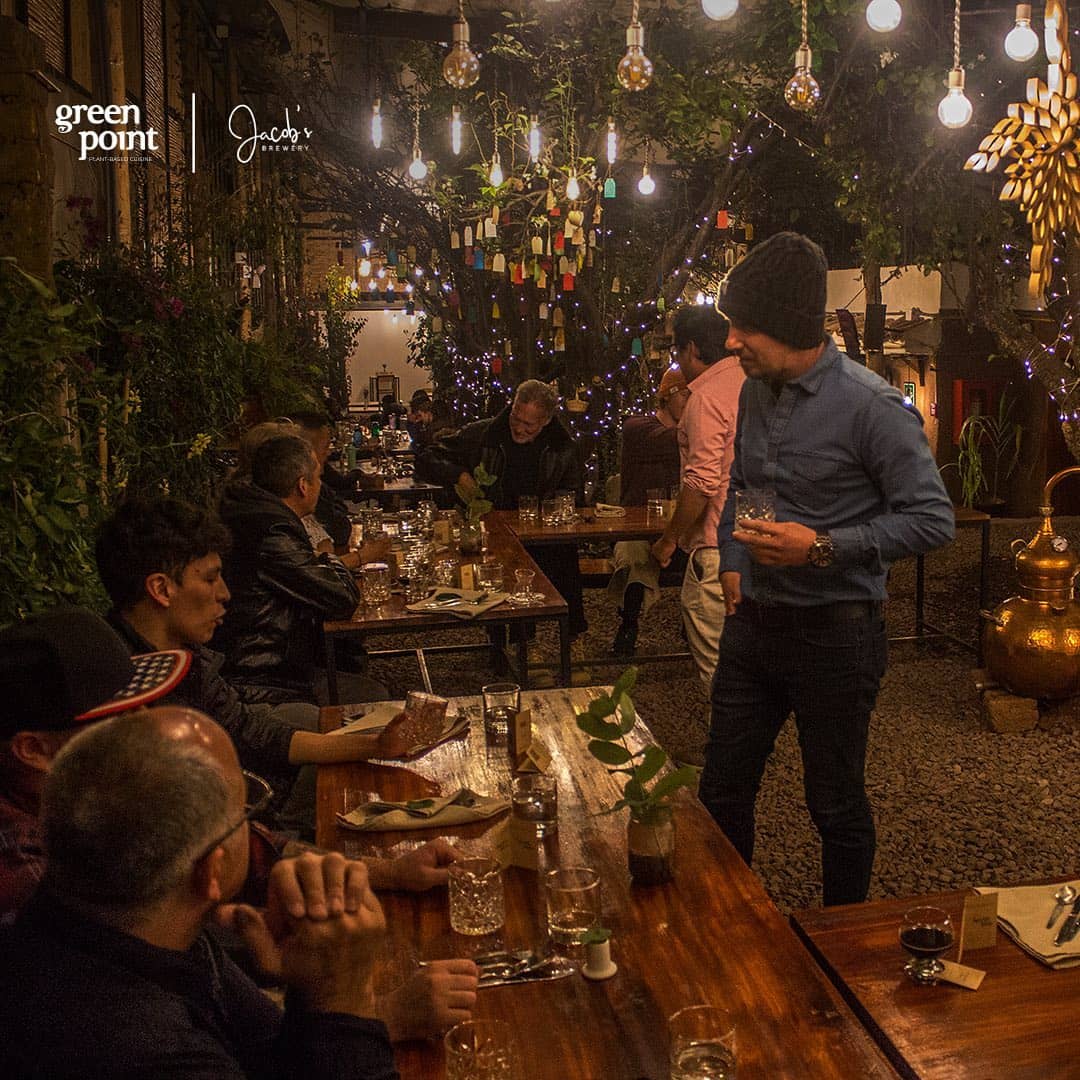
(645, 793)
(477, 504)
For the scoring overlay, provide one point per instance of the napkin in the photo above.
(607, 510)
(1022, 915)
(461, 808)
(469, 609)
(373, 720)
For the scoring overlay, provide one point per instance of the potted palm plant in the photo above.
(645, 793)
(988, 451)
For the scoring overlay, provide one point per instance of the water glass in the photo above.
(551, 511)
(528, 508)
(477, 905)
(375, 583)
(523, 594)
(759, 504)
(702, 1044)
(568, 509)
(500, 701)
(356, 536)
(573, 903)
(535, 799)
(479, 1050)
(372, 522)
(654, 503)
(489, 575)
(446, 570)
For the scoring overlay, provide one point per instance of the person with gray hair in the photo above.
(110, 970)
(282, 589)
(529, 451)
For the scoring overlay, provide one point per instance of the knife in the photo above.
(556, 968)
(1070, 926)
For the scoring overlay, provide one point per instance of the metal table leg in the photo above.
(564, 650)
(331, 669)
(984, 587)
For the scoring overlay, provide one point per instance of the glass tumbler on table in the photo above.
(654, 503)
(523, 594)
(477, 904)
(528, 509)
(489, 576)
(551, 512)
(702, 1044)
(375, 583)
(573, 903)
(535, 799)
(500, 700)
(925, 933)
(479, 1050)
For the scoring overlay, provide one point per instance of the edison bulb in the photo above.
(802, 92)
(573, 188)
(495, 177)
(365, 268)
(954, 110)
(534, 138)
(646, 185)
(635, 70)
(719, 10)
(1021, 42)
(376, 124)
(461, 68)
(883, 15)
(418, 168)
(455, 129)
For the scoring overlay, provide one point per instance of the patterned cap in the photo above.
(70, 667)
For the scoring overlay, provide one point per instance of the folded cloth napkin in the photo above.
(373, 719)
(607, 510)
(461, 808)
(1022, 914)
(462, 603)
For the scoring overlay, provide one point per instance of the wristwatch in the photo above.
(821, 553)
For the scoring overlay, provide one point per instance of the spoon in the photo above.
(1065, 895)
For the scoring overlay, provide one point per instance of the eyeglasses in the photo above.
(259, 796)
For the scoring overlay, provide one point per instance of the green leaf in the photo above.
(624, 683)
(628, 715)
(597, 728)
(652, 761)
(610, 753)
(683, 777)
(602, 706)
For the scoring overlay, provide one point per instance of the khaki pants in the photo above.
(703, 610)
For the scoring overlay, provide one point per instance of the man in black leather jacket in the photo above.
(282, 591)
(529, 451)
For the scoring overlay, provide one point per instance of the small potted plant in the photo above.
(477, 504)
(988, 450)
(651, 831)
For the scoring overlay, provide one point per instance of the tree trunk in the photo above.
(114, 30)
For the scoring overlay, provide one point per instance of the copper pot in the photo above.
(1031, 642)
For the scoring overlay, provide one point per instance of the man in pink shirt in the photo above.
(706, 449)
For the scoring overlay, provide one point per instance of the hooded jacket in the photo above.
(486, 441)
(282, 591)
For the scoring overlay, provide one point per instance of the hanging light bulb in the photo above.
(883, 15)
(1021, 42)
(461, 68)
(365, 268)
(719, 10)
(495, 177)
(534, 138)
(418, 168)
(646, 185)
(635, 70)
(573, 188)
(612, 141)
(455, 129)
(802, 92)
(376, 123)
(954, 109)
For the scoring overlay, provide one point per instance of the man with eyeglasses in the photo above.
(529, 451)
(109, 971)
(706, 448)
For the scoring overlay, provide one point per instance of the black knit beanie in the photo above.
(779, 289)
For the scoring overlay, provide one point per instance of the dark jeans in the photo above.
(826, 666)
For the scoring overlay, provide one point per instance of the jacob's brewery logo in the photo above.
(106, 128)
(250, 137)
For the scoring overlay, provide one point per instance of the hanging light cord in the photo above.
(416, 127)
(461, 10)
(805, 42)
(955, 34)
(634, 14)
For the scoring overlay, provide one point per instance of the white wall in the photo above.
(384, 340)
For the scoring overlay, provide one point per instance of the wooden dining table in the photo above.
(1019, 1025)
(712, 935)
(634, 524)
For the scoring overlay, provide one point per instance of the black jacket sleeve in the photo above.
(444, 461)
(320, 582)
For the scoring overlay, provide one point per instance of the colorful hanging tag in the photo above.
(453, 298)
(555, 212)
(597, 214)
(495, 313)
(543, 311)
(589, 258)
(519, 273)
(495, 214)
(541, 280)
(455, 240)
(579, 235)
(478, 259)
(498, 264)
(496, 365)
(560, 341)
(490, 232)
(568, 282)
(722, 219)
(550, 203)
(467, 252)
(564, 265)
(557, 317)
(609, 188)
(436, 324)
(402, 272)
(560, 243)
(661, 305)
(468, 236)
(749, 230)
(592, 238)
(729, 257)
(391, 257)
(537, 245)
(568, 229)
(616, 285)
(411, 252)
(579, 261)
(636, 348)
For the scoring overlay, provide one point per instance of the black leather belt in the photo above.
(842, 611)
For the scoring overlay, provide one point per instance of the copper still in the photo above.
(1031, 642)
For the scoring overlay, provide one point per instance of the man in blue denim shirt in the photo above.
(856, 488)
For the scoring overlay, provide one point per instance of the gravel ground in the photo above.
(955, 804)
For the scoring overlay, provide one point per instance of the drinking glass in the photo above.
(479, 1050)
(523, 594)
(528, 507)
(356, 535)
(925, 933)
(573, 903)
(758, 504)
(567, 508)
(477, 906)
(375, 583)
(489, 575)
(500, 700)
(535, 799)
(702, 1044)
(654, 503)
(445, 570)
(551, 511)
